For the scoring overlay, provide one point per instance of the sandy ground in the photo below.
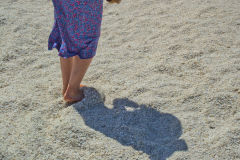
(165, 84)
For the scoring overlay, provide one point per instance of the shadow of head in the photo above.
(140, 126)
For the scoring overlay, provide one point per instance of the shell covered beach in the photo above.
(164, 84)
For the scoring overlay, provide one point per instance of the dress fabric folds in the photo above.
(77, 27)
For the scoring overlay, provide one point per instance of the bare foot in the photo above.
(65, 88)
(73, 94)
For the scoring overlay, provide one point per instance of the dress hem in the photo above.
(54, 45)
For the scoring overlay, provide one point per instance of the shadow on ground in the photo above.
(140, 126)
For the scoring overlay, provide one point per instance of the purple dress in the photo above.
(77, 27)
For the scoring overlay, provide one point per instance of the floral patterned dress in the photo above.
(77, 27)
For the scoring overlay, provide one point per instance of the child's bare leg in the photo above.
(79, 68)
(66, 66)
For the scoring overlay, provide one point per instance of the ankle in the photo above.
(73, 94)
(71, 89)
